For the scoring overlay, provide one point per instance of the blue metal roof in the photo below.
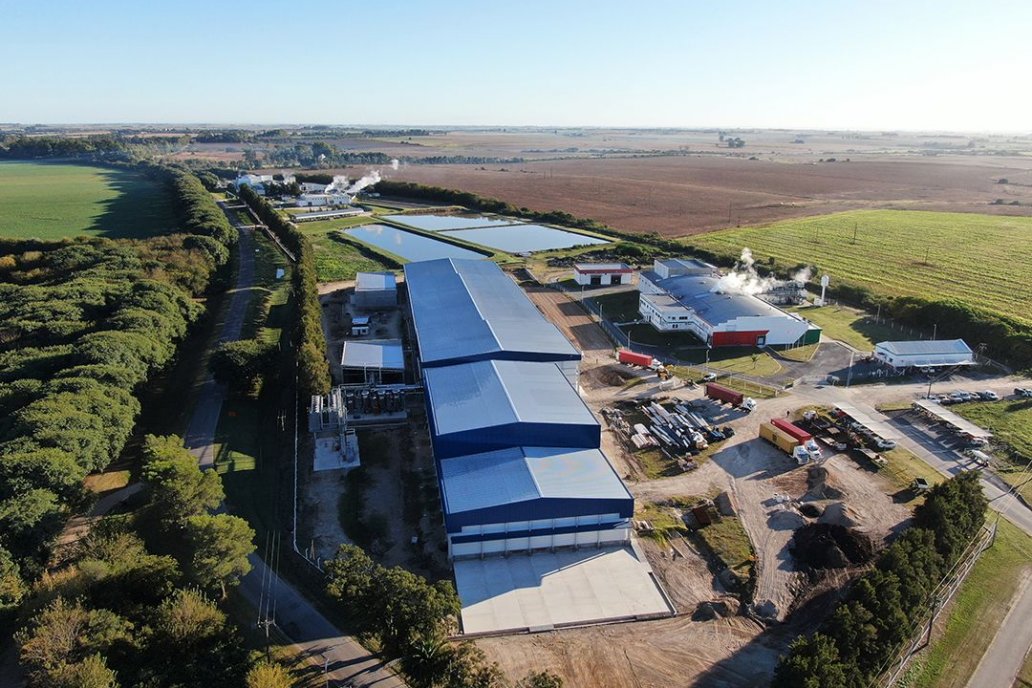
(467, 310)
(696, 292)
(506, 483)
(485, 394)
(386, 354)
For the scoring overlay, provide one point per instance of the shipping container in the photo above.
(722, 393)
(778, 438)
(626, 356)
(792, 429)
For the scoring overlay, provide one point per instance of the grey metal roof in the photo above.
(523, 474)
(465, 309)
(602, 267)
(486, 394)
(962, 424)
(696, 292)
(686, 264)
(375, 281)
(384, 354)
(927, 347)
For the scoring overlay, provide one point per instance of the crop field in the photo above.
(690, 194)
(982, 260)
(52, 201)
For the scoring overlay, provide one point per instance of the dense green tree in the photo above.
(91, 672)
(243, 365)
(268, 675)
(12, 588)
(180, 488)
(813, 662)
(540, 679)
(221, 545)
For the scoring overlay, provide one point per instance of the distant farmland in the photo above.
(51, 201)
(983, 260)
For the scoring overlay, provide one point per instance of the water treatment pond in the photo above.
(411, 247)
(524, 238)
(442, 223)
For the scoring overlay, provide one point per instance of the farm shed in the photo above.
(924, 353)
(469, 310)
(692, 303)
(372, 362)
(375, 290)
(528, 498)
(962, 425)
(485, 405)
(602, 274)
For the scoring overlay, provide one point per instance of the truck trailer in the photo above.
(727, 395)
(800, 451)
(626, 356)
(791, 429)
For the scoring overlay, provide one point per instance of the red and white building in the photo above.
(602, 274)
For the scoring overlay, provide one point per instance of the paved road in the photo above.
(200, 434)
(344, 658)
(1002, 661)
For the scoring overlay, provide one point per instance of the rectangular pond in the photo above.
(525, 238)
(411, 247)
(442, 223)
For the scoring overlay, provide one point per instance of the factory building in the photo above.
(602, 274)
(372, 362)
(469, 310)
(375, 290)
(689, 299)
(484, 405)
(924, 353)
(516, 449)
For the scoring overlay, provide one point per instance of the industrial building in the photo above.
(372, 362)
(469, 310)
(924, 353)
(486, 405)
(375, 290)
(688, 298)
(602, 274)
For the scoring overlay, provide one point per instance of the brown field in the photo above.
(678, 196)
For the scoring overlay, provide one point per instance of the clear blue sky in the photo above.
(833, 64)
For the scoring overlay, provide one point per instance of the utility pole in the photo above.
(854, 232)
(729, 204)
(935, 329)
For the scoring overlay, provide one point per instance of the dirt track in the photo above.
(579, 327)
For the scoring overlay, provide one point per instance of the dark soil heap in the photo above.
(829, 546)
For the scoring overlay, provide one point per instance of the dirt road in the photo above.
(575, 323)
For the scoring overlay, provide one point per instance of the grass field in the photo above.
(983, 260)
(52, 201)
(978, 610)
(850, 325)
(336, 258)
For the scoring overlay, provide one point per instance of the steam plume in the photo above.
(367, 180)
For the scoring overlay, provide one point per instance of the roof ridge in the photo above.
(505, 388)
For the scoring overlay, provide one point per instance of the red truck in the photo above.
(626, 356)
(792, 430)
(722, 393)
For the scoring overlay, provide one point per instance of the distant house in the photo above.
(258, 182)
(602, 274)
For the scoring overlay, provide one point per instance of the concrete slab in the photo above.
(546, 590)
(331, 455)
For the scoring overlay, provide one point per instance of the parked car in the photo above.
(988, 395)
(884, 445)
(709, 377)
(1023, 391)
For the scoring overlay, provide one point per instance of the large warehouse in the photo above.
(932, 353)
(496, 399)
(469, 310)
(689, 300)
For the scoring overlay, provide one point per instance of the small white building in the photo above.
(924, 353)
(257, 182)
(602, 274)
(375, 290)
(316, 200)
(372, 362)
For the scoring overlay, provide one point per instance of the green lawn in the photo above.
(52, 201)
(978, 610)
(337, 258)
(1010, 421)
(730, 543)
(982, 260)
(851, 325)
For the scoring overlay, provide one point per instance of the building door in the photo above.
(596, 280)
(614, 279)
(761, 340)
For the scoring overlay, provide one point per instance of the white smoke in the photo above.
(339, 183)
(394, 164)
(367, 180)
(743, 279)
(803, 275)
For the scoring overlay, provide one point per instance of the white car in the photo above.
(988, 395)
(884, 445)
(709, 377)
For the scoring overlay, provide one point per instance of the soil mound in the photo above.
(810, 510)
(607, 376)
(715, 609)
(820, 484)
(828, 546)
(839, 514)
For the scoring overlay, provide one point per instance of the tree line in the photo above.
(313, 368)
(83, 323)
(884, 606)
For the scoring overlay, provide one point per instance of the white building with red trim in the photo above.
(602, 274)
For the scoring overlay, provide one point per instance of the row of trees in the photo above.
(313, 369)
(83, 323)
(885, 606)
(132, 610)
(411, 619)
